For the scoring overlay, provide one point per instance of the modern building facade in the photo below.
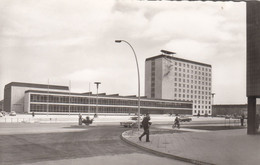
(14, 93)
(168, 77)
(57, 101)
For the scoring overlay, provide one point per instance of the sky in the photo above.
(72, 43)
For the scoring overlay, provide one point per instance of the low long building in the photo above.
(61, 101)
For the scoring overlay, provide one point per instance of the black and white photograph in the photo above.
(129, 82)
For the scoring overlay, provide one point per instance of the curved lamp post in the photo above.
(138, 121)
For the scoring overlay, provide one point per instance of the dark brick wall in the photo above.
(253, 49)
(7, 98)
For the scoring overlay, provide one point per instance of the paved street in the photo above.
(231, 146)
(70, 144)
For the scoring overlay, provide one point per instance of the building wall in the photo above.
(153, 77)
(17, 99)
(14, 94)
(60, 103)
(253, 49)
(148, 81)
(182, 79)
(7, 98)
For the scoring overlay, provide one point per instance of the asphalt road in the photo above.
(89, 142)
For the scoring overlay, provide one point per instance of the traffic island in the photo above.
(157, 145)
(232, 146)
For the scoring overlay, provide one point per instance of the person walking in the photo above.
(146, 124)
(242, 120)
(80, 119)
(176, 123)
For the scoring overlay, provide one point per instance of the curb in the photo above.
(197, 162)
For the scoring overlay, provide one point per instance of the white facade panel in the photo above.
(185, 80)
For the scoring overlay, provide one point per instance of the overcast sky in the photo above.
(64, 40)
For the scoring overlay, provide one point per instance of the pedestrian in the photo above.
(32, 114)
(199, 114)
(176, 123)
(80, 119)
(242, 119)
(146, 124)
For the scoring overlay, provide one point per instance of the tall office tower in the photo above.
(168, 77)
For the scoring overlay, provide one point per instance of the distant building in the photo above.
(14, 93)
(231, 109)
(52, 99)
(168, 77)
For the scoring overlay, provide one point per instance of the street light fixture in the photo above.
(97, 83)
(119, 41)
(212, 94)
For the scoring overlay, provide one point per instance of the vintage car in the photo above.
(131, 122)
(12, 113)
(184, 119)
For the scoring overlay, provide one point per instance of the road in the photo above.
(76, 145)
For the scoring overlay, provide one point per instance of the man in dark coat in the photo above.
(146, 124)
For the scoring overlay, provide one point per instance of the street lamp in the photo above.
(212, 94)
(119, 41)
(97, 83)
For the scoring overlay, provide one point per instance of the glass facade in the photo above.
(57, 103)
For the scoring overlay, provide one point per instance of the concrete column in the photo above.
(251, 115)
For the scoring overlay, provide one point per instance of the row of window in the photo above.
(202, 107)
(92, 109)
(192, 66)
(153, 79)
(192, 72)
(190, 96)
(201, 84)
(192, 91)
(104, 101)
(192, 79)
(206, 112)
(202, 102)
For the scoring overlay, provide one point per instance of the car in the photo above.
(184, 119)
(1, 115)
(12, 113)
(131, 122)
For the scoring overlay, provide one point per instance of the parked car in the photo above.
(131, 122)
(12, 113)
(1, 115)
(184, 119)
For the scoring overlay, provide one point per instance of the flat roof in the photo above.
(177, 59)
(33, 85)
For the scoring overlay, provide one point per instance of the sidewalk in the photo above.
(225, 147)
